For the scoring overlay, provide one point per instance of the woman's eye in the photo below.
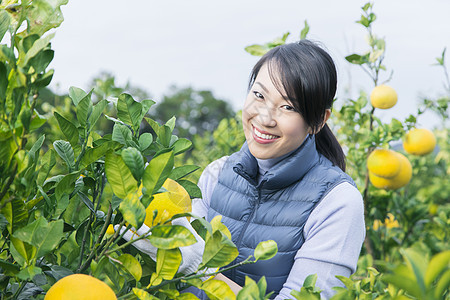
(288, 107)
(258, 95)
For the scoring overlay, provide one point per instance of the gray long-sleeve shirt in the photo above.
(334, 233)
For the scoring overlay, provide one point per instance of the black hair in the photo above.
(306, 74)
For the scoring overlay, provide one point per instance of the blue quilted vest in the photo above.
(276, 208)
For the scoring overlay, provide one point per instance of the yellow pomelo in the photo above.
(396, 182)
(383, 163)
(383, 96)
(80, 286)
(419, 141)
(175, 201)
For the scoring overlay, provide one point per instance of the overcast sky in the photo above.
(200, 43)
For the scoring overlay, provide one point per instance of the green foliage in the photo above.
(260, 50)
(59, 195)
(197, 112)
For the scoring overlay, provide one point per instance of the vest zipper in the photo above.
(241, 235)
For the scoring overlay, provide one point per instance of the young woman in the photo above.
(287, 183)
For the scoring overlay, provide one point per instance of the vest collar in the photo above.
(284, 173)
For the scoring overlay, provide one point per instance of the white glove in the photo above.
(192, 255)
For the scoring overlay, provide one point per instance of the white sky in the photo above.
(199, 43)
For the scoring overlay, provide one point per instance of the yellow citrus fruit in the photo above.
(383, 97)
(110, 230)
(397, 181)
(80, 286)
(175, 201)
(419, 141)
(383, 163)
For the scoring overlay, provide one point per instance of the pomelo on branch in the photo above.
(397, 181)
(383, 96)
(383, 163)
(419, 141)
(80, 286)
(175, 201)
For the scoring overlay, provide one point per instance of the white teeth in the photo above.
(263, 135)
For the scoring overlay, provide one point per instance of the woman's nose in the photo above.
(266, 116)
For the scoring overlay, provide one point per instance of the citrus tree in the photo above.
(404, 190)
(66, 204)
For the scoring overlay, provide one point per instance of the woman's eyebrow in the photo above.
(263, 87)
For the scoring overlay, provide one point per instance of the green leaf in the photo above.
(442, 285)
(33, 153)
(438, 264)
(134, 161)
(180, 172)
(121, 134)
(42, 235)
(96, 112)
(93, 154)
(219, 251)
(132, 209)
(132, 265)
(304, 31)
(157, 172)
(310, 281)
(4, 23)
(119, 176)
(41, 61)
(21, 252)
(69, 130)
(66, 185)
(218, 290)
(171, 123)
(85, 199)
(44, 15)
(404, 283)
(145, 140)
(202, 228)
(417, 262)
(65, 151)
(29, 272)
(129, 111)
(9, 268)
(84, 109)
(143, 295)
(355, 59)
(249, 291)
(192, 189)
(167, 263)
(38, 45)
(76, 94)
(181, 145)
(153, 124)
(257, 50)
(171, 236)
(25, 118)
(265, 250)
(165, 135)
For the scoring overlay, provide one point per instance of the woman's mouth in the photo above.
(263, 138)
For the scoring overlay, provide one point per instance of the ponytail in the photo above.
(328, 146)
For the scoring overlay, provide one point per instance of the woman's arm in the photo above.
(334, 234)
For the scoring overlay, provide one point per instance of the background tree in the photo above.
(196, 111)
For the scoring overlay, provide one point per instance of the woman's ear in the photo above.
(325, 119)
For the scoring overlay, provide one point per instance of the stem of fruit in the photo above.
(193, 276)
(97, 243)
(114, 237)
(140, 237)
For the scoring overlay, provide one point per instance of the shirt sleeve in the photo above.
(207, 183)
(334, 234)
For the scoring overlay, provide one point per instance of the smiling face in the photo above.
(271, 125)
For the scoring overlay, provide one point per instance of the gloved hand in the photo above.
(192, 255)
